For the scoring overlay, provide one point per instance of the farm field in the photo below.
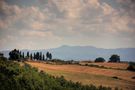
(109, 65)
(91, 75)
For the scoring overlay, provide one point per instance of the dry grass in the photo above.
(90, 75)
(110, 65)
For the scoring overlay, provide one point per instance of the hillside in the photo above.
(85, 52)
(14, 76)
(91, 75)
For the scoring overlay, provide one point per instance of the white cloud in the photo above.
(107, 9)
(37, 25)
(14, 13)
(65, 21)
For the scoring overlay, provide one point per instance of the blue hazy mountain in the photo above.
(85, 52)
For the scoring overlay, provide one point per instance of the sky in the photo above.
(42, 24)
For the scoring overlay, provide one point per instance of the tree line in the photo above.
(113, 58)
(18, 55)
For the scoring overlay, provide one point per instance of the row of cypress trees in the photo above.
(16, 55)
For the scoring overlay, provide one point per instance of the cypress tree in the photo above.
(20, 54)
(37, 55)
(40, 56)
(34, 56)
(50, 56)
(28, 54)
(23, 55)
(31, 56)
(43, 57)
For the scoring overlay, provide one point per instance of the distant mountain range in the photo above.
(85, 52)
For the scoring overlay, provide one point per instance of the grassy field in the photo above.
(91, 75)
(109, 65)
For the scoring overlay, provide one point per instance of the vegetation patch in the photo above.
(131, 66)
(115, 77)
(16, 77)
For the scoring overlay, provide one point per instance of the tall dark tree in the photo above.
(14, 54)
(23, 55)
(50, 56)
(47, 55)
(114, 58)
(37, 55)
(28, 54)
(43, 57)
(34, 56)
(31, 57)
(40, 56)
(20, 53)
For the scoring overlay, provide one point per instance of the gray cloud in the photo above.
(84, 22)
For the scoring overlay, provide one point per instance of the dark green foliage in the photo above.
(37, 56)
(34, 56)
(28, 55)
(115, 77)
(43, 57)
(31, 57)
(40, 56)
(99, 59)
(23, 55)
(3, 58)
(114, 58)
(20, 53)
(60, 62)
(14, 55)
(133, 77)
(131, 66)
(16, 77)
(48, 56)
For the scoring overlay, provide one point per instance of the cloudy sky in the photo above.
(41, 24)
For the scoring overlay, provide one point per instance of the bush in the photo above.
(99, 59)
(133, 77)
(131, 66)
(60, 62)
(114, 58)
(115, 77)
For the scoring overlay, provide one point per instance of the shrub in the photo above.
(99, 59)
(131, 66)
(133, 77)
(114, 58)
(115, 77)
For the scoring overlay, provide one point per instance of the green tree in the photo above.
(40, 56)
(31, 57)
(37, 56)
(50, 56)
(28, 54)
(99, 59)
(23, 55)
(14, 54)
(43, 57)
(47, 55)
(20, 53)
(114, 58)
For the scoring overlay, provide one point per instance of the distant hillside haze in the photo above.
(84, 53)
